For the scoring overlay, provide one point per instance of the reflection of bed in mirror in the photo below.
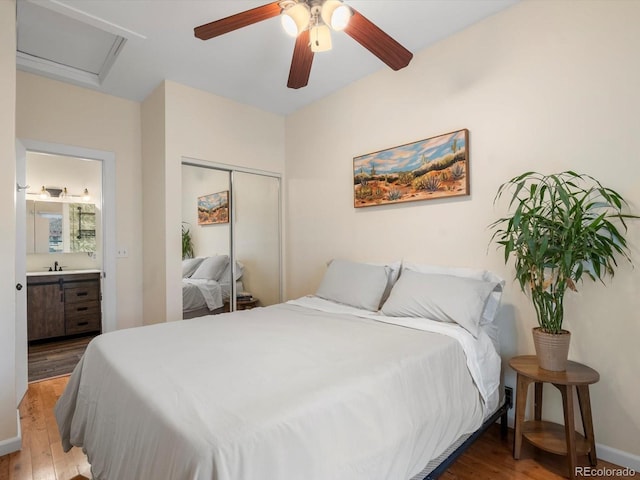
(206, 285)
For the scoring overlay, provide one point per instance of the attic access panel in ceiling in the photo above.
(62, 47)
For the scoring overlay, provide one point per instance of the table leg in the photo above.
(569, 428)
(522, 389)
(538, 401)
(587, 422)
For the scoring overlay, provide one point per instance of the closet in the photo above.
(248, 232)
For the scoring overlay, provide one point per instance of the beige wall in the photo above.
(8, 423)
(201, 126)
(543, 85)
(154, 206)
(56, 112)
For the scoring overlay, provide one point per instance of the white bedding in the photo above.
(199, 292)
(482, 357)
(278, 393)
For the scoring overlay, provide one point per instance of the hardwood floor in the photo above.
(42, 457)
(59, 357)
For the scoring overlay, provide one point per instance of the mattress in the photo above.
(305, 389)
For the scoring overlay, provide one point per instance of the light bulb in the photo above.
(336, 14)
(295, 19)
(85, 196)
(44, 193)
(340, 18)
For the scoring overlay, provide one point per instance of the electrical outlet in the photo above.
(122, 252)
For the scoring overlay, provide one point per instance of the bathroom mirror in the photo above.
(57, 227)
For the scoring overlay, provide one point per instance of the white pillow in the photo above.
(211, 267)
(493, 303)
(360, 285)
(226, 275)
(189, 266)
(445, 298)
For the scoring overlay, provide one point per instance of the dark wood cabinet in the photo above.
(59, 305)
(45, 310)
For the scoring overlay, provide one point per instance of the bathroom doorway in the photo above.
(66, 211)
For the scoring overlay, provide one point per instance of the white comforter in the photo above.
(198, 292)
(277, 393)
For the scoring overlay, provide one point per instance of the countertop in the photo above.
(64, 272)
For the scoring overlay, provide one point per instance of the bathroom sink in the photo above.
(64, 272)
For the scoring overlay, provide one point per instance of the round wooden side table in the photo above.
(549, 436)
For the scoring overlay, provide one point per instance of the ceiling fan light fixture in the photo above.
(295, 19)
(320, 38)
(336, 14)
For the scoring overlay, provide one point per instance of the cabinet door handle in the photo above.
(82, 309)
(81, 324)
(82, 294)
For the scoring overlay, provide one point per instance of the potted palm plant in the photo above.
(187, 242)
(560, 228)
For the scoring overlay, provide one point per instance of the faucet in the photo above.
(55, 266)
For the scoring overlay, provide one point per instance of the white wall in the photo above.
(56, 112)
(201, 126)
(8, 417)
(543, 85)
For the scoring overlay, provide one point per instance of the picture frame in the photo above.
(436, 167)
(213, 208)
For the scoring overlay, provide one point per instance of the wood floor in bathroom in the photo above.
(55, 358)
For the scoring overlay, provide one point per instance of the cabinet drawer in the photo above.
(82, 309)
(82, 323)
(82, 293)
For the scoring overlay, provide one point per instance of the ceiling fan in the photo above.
(311, 22)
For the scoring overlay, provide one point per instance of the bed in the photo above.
(314, 388)
(206, 285)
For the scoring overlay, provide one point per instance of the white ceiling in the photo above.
(250, 65)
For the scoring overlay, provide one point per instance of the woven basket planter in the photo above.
(552, 349)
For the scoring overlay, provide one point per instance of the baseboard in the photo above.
(14, 444)
(613, 455)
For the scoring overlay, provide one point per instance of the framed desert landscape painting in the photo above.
(437, 167)
(213, 208)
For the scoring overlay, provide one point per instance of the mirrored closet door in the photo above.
(256, 210)
(231, 239)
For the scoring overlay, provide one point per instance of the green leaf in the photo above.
(561, 223)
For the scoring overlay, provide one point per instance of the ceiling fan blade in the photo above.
(378, 42)
(301, 62)
(239, 20)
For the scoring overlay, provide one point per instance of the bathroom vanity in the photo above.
(63, 303)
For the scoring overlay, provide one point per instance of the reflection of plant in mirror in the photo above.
(187, 242)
